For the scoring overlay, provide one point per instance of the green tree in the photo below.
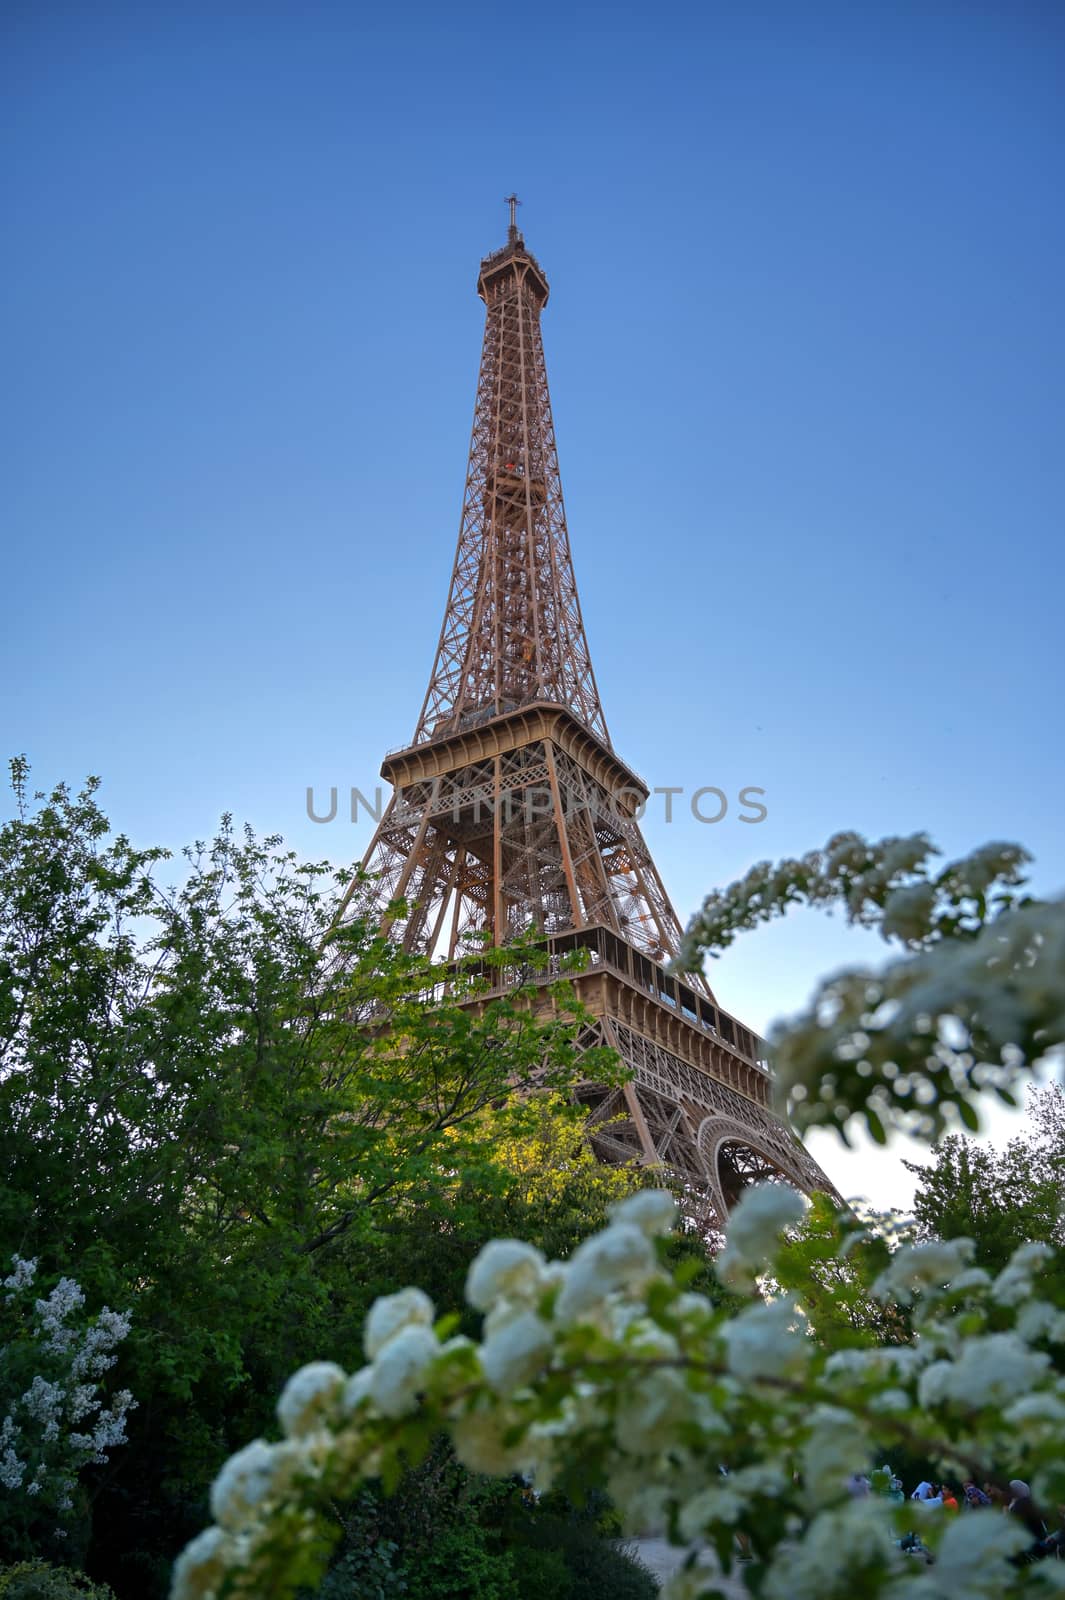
(218, 1107)
(1001, 1198)
(834, 1285)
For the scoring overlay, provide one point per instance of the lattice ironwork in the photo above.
(512, 631)
(511, 809)
(715, 1141)
(527, 838)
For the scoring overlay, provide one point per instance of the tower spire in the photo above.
(512, 232)
(513, 632)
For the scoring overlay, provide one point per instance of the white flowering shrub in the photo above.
(701, 1422)
(53, 1417)
(974, 1002)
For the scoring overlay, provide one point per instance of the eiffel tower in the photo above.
(511, 809)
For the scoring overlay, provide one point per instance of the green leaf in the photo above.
(969, 1115)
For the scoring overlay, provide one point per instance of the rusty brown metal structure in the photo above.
(511, 809)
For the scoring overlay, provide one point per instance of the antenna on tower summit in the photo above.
(513, 202)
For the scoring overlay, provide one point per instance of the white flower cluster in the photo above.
(12, 1470)
(930, 1267)
(59, 1424)
(837, 1550)
(988, 1371)
(52, 1315)
(767, 1342)
(95, 1354)
(908, 912)
(755, 1226)
(21, 1277)
(1014, 1282)
(699, 1421)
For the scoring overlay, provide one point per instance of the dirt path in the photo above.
(662, 1559)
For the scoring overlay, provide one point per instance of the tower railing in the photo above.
(606, 949)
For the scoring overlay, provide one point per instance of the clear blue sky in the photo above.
(806, 350)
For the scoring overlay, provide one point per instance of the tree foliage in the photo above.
(1002, 1198)
(236, 1118)
(449, 1534)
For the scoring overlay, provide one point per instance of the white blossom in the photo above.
(515, 1352)
(54, 1406)
(22, 1276)
(691, 1310)
(907, 911)
(95, 1355)
(764, 1341)
(650, 1406)
(246, 1481)
(642, 1500)
(52, 1314)
(718, 1503)
(837, 1447)
(645, 1338)
(973, 1557)
(972, 1278)
(836, 1548)
(80, 1401)
(690, 1583)
(988, 1370)
(400, 1367)
(728, 1499)
(391, 1314)
(12, 1470)
(506, 1269)
(888, 1400)
(653, 1211)
(43, 1402)
(108, 1430)
(1039, 1414)
(1014, 1282)
(929, 1266)
(357, 1389)
(1040, 1320)
(502, 1314)
(243, 1482)
(477, 1436)
(621, 1256)
(850, 1365)
(310, 1397)
(764, 1211)
(621, 1389)
(201, 1567)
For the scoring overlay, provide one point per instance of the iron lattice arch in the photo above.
(512, 811)
(711, 1140)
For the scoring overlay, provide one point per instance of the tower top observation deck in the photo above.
(514, 263)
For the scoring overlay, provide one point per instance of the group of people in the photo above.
(1016, 1501)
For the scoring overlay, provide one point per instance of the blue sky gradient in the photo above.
(806, 352)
